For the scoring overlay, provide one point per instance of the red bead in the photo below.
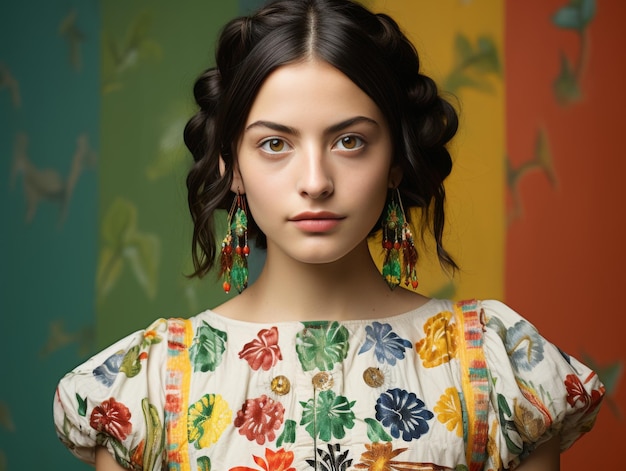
(246, 250)
(238, 250)
(226, 287)
(414, 283)
(387, 245)
(397, 245)
(227, 249)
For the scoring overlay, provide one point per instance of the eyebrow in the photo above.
(329, 130)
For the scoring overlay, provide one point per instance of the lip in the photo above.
(322, 221)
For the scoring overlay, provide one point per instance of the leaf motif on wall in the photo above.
(69, 30)
(575, 16)
(473, 65)
(172, 153)
(126, 53)
(8, 81)
(59, 337)
(6, 421)
(46, 184)
(124, 244)
(541, 161)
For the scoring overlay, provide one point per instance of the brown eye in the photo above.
(274, 146)
(350, 142)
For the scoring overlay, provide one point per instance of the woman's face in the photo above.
(315, 163)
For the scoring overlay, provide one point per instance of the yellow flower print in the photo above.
(449, 411)
(440, 344)
(492, 446)
(530, 425)
(207, 419)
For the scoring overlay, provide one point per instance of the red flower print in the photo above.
(262, 352)
(279, 460)
(112, 418)
(259, 418)
(576, 392)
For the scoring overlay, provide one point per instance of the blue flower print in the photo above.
(524, 346)
(403, 413)
(107, 371)
(388, 346)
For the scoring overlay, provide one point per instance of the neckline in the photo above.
(427, 306)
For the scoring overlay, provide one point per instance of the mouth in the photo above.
(313, 216)
(316, 222)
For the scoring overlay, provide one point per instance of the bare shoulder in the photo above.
(545, 458)
(105, 462)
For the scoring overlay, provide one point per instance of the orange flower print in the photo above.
(279, 460)
(449, 411)
(259, 419)
(379, 457)
(112, 418)
(440, 344)
(262, 352)
(136, 456)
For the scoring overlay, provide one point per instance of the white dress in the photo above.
(470, 385)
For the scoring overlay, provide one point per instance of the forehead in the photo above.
(311, 89)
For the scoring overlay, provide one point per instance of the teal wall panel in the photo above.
(49, 142)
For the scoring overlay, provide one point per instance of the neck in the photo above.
(350, 288)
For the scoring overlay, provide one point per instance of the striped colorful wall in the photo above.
(94, 239)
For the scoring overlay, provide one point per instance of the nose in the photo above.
(315, 179)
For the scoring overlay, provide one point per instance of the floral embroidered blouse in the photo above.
(465, 386)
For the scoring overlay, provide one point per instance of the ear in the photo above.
(237, 186)
(395, 177)
(237, 183)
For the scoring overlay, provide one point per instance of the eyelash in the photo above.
(263, 145)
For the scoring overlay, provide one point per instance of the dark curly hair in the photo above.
(368, 48)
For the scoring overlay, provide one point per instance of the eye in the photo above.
(350, 143)
(274, 146)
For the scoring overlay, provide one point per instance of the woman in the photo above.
(315, 129)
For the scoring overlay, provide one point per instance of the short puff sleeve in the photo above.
(116, 399)
(537, 391)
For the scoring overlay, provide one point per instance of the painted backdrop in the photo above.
(95, 231)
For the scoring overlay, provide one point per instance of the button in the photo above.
(280, 385)
(373, 377)
(323, 381)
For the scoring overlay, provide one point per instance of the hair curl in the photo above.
(368, 48)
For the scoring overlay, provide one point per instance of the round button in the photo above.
(373, 377)
(280, 385)
(323, 381)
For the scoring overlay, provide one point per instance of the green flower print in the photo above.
(320, 345)
(327, 417)
(207, 349)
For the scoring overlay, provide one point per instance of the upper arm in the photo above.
(545, 458)
(106, 462)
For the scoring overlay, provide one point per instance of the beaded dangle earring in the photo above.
(400, 255)
(235, 249)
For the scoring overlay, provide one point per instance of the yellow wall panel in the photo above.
(475, 189)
